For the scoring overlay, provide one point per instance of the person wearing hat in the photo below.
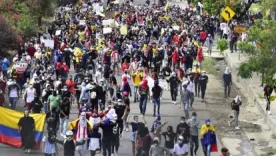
(209, 44)
(208, 138)
(156, 149)
(203, 80)
(156, 93)
(143, 93)
(194, 124)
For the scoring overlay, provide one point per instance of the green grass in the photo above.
(270, 152)
(209, 66)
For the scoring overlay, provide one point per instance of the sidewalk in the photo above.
(253, 110)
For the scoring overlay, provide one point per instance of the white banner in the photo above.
(107, 30)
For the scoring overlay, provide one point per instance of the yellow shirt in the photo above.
(137, 78)
(81, 36)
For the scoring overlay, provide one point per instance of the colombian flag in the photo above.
(140, 20)
(9, 129)
(207, 135)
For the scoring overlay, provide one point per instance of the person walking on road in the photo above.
(203, 80)
(183, 129)
(185, 97)
(26, 129)
(156, 94)
(236, 103)
(194, 124)
(143, 95)
(227, 79)
(196, 74)
(173, 86)
(267, 93)
(208, 138)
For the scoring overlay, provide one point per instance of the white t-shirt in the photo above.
(98, 76)
(94, 143)
(180, 150)
(30, 95)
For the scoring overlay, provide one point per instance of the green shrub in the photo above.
(222, 45)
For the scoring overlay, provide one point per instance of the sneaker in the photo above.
(237, 128)
(229, 123)
(29, 151)
(172, 102)
(142, 116)
(126, 129)
(26, 150)
(112, 154)
(268, 112)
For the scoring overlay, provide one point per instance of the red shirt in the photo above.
(125, 66)
(175, 56)
(203, 35)
(71, 85)
(200, 57)
(59, 66)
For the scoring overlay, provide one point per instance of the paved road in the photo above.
(169, 112)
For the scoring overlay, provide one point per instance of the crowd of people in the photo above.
(161, 44)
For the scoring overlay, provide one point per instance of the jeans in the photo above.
(192, 99)
(207, 150)
(63, 122)
(156, 102)
(267, 102)
(197, 88)
(203, 89)
(173, 93)
(193, 144)
(13, 101)
(186, 109)
(143, 104)
(45, 106)
(135, 93)
(106, 142)
(227, 88)
(236, 118)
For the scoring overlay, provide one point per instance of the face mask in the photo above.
(193, 117)
(182, 121)
(69, 138)
(82, 117)
(208, 123)
(179, 141)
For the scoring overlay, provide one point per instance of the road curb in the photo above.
(243, 84)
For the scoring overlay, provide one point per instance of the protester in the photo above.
(170, 139)
(143, 93)
(156, 95)
(180, 148)
(227, 79)
(26, 129)
(203, 80)
(235, 104)
(194, 125)
(49, 146)
(208, 138)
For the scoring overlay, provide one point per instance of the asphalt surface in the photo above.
(169, 112)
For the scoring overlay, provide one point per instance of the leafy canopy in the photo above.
(262, 53)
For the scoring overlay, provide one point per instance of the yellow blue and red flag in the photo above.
(9, 129)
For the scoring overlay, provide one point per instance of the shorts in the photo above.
(133, 136)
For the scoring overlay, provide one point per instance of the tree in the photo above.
(222, 45)
(262, 57)
(8, 36)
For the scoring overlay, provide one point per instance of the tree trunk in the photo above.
(39, 21)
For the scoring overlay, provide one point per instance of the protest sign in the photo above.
(82, 22)
(21, 67)
(176, 27)
(123, 30)
(107, 30)
(58, 32)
